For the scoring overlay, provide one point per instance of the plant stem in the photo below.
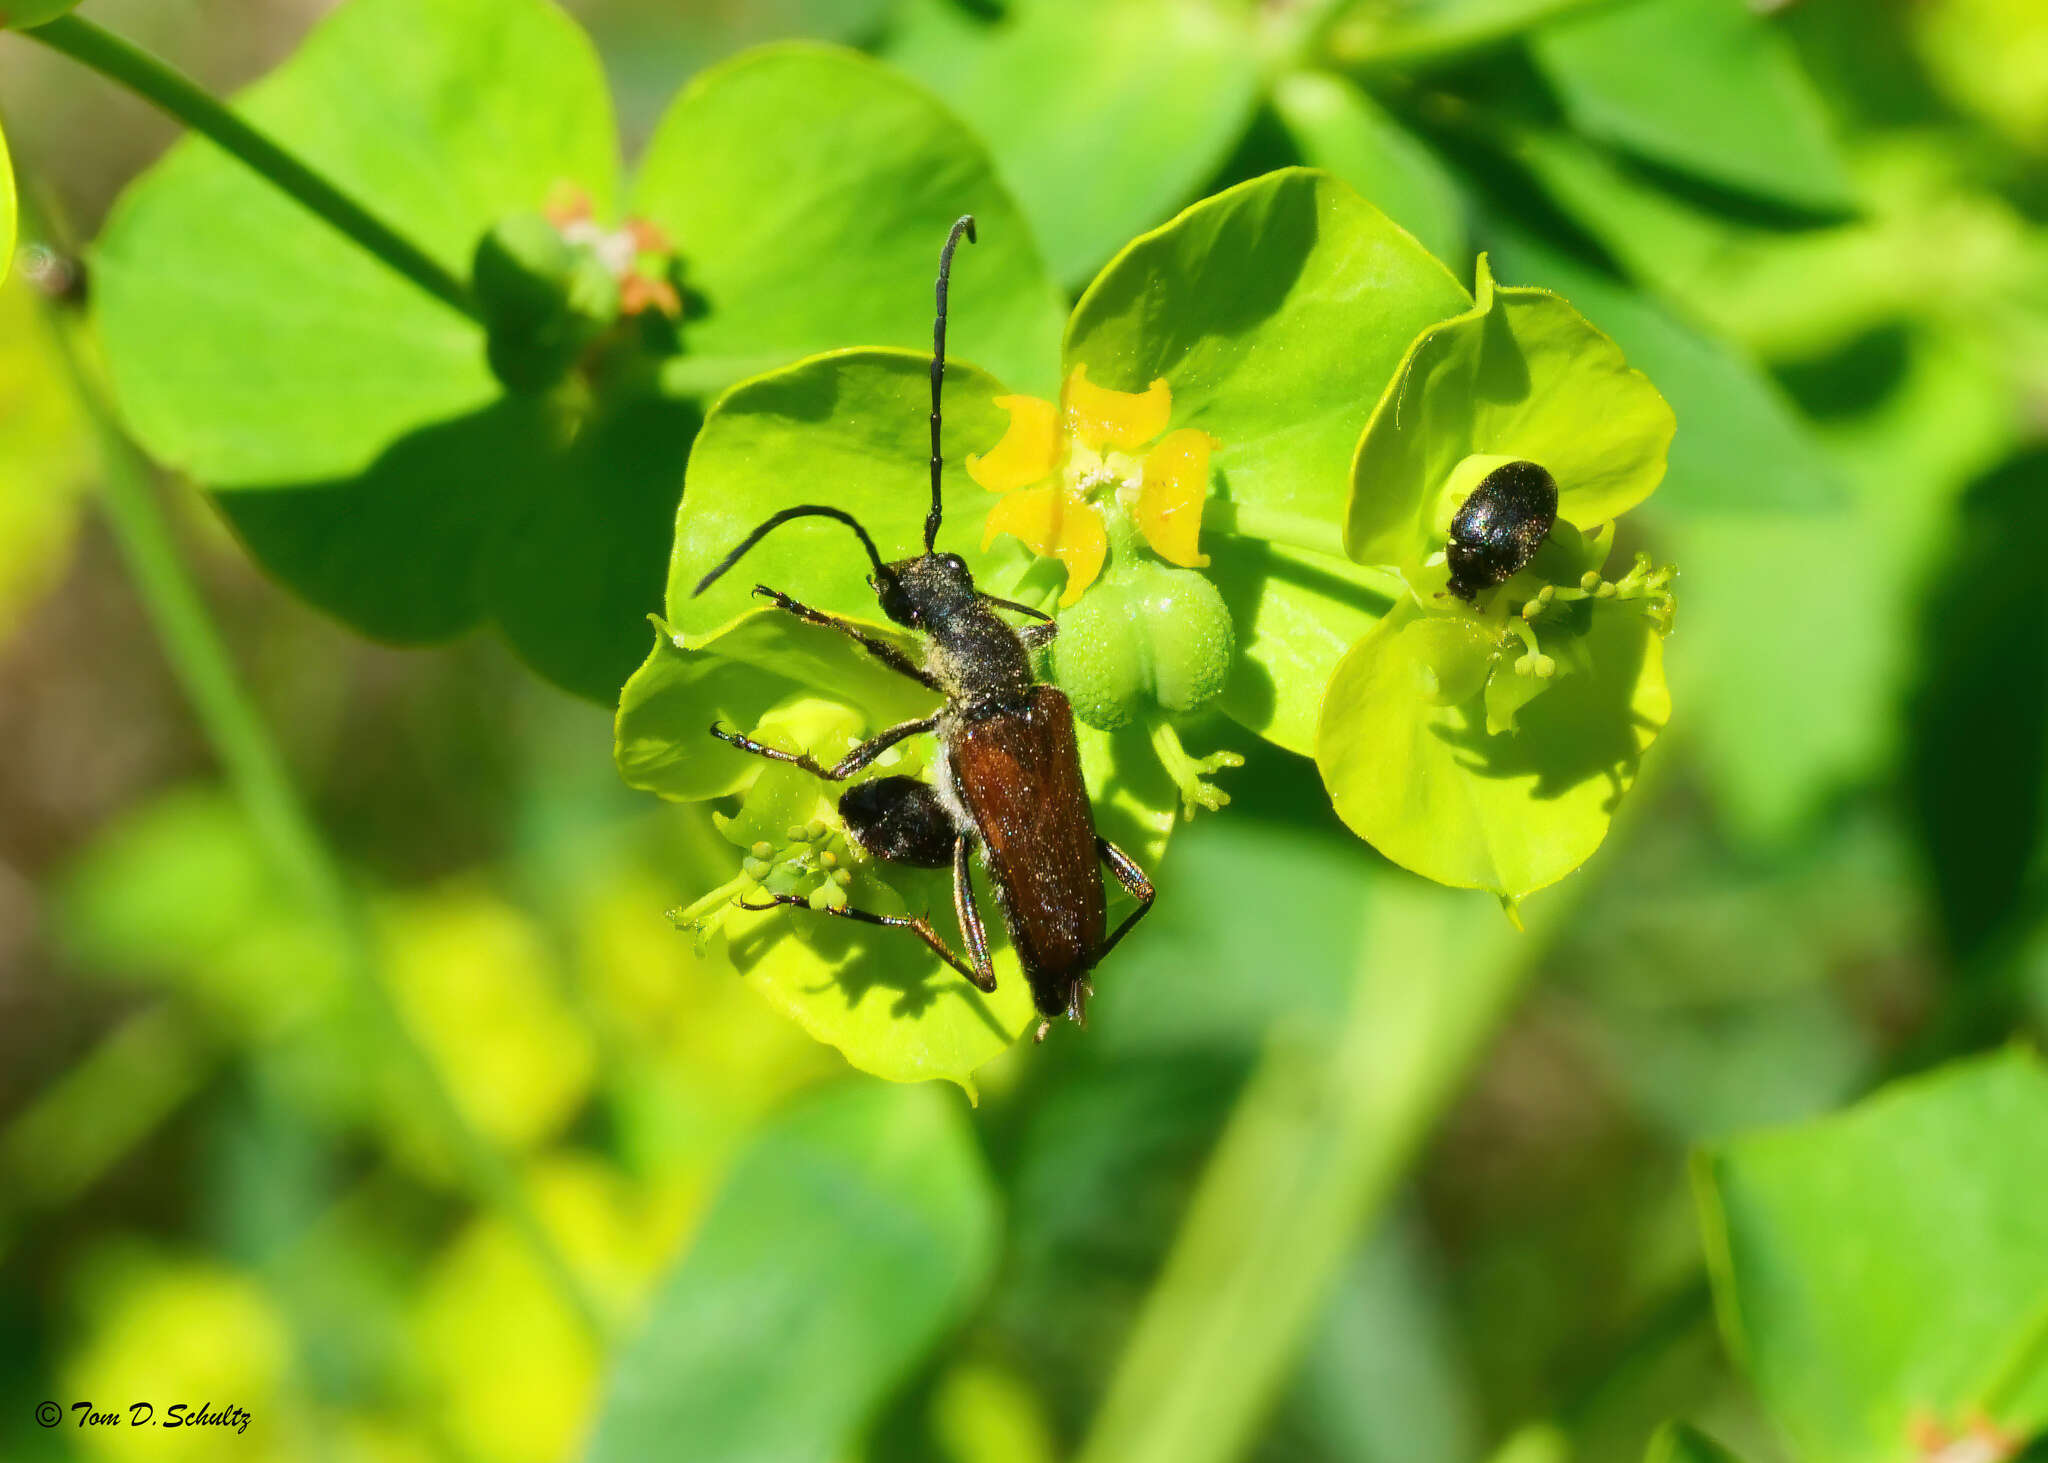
(255, 768)
(1313, 1152)
(187, 101)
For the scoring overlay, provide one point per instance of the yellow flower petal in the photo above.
(1170, 498)
(1124, 419)
(1029, 451)
(1052, 521)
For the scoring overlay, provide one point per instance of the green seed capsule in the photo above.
(843, 878)
(816, 831)
(794, 833)
(763, 849)
(757, 869)
(1149, 635)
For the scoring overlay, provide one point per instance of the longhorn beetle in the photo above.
(1008, 780)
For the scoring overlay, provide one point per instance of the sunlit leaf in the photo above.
(808, 190)
(1705, 86)
(1884, 1271)
(1411, 767)
(1521, 375)
(852, 1234)
(1278, 311)
(1105, 115)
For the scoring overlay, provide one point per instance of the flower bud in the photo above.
(543, 300)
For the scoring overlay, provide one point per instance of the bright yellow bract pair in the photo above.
(1086, 444)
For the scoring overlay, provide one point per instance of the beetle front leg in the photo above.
(880, 649)
(918, 925)
(1134, 884)
(846, 766)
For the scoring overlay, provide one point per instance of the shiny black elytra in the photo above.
(1500, 526)
(1008, 777)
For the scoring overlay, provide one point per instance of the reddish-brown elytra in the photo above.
(1008, 778)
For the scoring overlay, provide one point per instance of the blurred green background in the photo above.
(1411, 1183)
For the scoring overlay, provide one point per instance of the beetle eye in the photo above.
(954, 561)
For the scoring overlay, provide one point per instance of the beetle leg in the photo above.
(970, 917)
(1037, 637)
(846, 766)
(918, 925)
(880, 649)
(1135, 884)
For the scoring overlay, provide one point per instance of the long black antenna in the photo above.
(808, 510)
(964, 226)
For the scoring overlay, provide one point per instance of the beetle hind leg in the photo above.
(1134, 883)
(917, 924)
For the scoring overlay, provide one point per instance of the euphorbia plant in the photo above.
(1188, 509)
(1272, 387)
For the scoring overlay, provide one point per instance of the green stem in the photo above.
(1312, 1154)
(256, 770)
(184, 99)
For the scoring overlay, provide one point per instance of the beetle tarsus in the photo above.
(919, 925)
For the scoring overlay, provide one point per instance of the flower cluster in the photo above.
(1062, 469)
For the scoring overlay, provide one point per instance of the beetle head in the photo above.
(924, 591)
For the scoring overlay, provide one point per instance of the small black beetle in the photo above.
(1500, 526)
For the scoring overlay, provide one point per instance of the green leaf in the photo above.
(1335, 126)
(1277, 311)
(1745, 447)
(1105, 115)
(849, 428)
(1295, 614)
(251, 346)
(852, 1235)
(1678, 1442)
(808, 190)
(1887, 1267)
(1520, 375)
(1705, 86)
(1411, 767)
(26, 14)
